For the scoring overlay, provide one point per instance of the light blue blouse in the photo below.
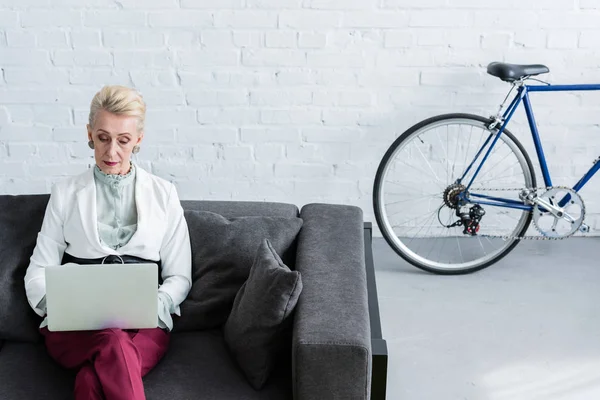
(116, 208)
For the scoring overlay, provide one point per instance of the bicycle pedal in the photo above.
(584, 228)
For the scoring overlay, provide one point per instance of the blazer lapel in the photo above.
(86, 200)
(142, 204)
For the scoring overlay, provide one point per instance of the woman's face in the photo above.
(114, 137)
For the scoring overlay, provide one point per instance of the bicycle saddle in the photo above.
(512, 72)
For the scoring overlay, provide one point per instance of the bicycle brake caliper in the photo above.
(495, 121)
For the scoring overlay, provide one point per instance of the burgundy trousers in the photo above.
(110, 362)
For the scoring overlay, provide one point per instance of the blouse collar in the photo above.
(115, 179)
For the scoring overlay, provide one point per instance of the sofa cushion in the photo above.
(255, 331)
(27, 372)
(20, 222)
(223, 251)
(198, 366)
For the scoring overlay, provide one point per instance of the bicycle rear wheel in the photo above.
(418, 175)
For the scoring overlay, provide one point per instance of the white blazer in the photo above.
(70, 225)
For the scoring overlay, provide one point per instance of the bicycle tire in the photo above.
(378, 184)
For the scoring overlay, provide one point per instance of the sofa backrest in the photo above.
(20, 222)
(233, 209)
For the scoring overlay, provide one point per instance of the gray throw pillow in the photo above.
(20, 222)
(255, 331)
(222, 254)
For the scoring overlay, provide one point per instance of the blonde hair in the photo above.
(120, 100)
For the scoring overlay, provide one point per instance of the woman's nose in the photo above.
(112, 147)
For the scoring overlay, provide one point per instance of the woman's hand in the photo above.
(165, 309)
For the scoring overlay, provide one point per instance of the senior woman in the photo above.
(113, 209)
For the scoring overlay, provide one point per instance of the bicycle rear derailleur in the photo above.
(469, 220)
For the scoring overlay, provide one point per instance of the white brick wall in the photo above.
(284, 100)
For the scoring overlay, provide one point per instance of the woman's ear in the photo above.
(89, 131)
(140, 137)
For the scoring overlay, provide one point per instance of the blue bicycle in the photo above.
(457, 192)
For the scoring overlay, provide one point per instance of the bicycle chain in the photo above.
(507, 237)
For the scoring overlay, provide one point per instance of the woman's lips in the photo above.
(110, 164)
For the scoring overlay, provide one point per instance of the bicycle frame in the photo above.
(523, 96)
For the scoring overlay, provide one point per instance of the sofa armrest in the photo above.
(331, 351)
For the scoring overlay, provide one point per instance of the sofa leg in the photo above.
(378, 344)
(379, 374)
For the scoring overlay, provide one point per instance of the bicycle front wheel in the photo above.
(417, 183)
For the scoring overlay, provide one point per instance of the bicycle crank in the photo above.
(559, 212)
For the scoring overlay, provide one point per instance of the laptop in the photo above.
(100, 296)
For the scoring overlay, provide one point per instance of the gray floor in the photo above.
(526, 328)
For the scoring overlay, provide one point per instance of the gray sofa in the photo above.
(335, 352)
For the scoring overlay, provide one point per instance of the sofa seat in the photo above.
(28, 372)
(197, 366)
